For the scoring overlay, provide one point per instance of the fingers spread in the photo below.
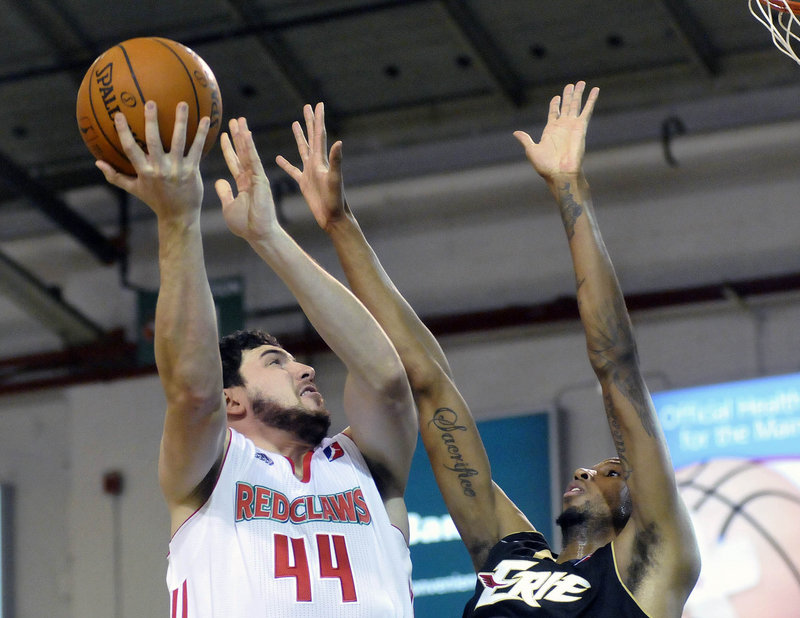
(577, 95)
(523, 138)
(590, 101)
(129, 146)
(247, 150)
(335, 157)
(320, 138)
(555, 108)
(570, 103)
(303, 148)
(152, 137)
(178, 143)
(224, 192)
(287, 167)
(229, 154)
(113, 177)
(566, 98)
(196, 151)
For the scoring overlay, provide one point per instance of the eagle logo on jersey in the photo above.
(333, 451)
(515, 580)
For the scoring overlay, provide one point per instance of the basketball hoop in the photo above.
(782, 19)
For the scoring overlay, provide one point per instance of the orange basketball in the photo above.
(127, 75)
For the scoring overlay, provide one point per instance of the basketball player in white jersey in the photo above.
(629, 549)
(269, 518)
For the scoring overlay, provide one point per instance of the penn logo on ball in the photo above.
(133, 72)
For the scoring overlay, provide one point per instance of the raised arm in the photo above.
(659, 535)
(377, 398)
(480, 510)
(186, 341)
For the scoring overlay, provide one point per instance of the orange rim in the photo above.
(778, 5)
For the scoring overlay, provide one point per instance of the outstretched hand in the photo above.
(251, 214)
(320, 180)
(168, 182)
(561, 148)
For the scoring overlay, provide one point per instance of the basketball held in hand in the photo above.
(133, 72)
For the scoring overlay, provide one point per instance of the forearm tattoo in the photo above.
(618, 437)
(570, 210)
(445, 420)
(613, 349)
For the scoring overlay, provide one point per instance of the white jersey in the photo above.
(269, 545)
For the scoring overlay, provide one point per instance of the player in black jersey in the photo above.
(629, 548)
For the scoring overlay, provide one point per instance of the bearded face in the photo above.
(310, 426)
(589, 517)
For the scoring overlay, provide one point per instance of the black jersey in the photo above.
(522, 579)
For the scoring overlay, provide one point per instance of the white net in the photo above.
(779, 18)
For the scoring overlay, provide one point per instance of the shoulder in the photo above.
(237, 440)
(340, 444)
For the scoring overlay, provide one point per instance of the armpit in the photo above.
(643, 557)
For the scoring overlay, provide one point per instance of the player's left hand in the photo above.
(251, 214)
(320, 180)
(168, 182)
(561, 147)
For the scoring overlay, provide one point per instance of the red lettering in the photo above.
(263, 501)
(312, 514)
(343, 505)
(280, 507)
(364, 516)
(327, 511)
(298, 570)
(244, 501)
(298, 516)
(184, 601)
(341, 570)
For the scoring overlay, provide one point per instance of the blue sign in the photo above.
(519, 452)
(757, 418)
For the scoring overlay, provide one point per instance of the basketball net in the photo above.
(778, 16)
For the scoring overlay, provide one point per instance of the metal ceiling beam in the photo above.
(64, 37)
(58, 211)
(694, 37)
(57, 28)
(42, 304)
(223, 34)
(114, 358)
(489, 54)
(108, 358)
(284, 65)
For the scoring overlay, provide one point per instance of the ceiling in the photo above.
(398, 77)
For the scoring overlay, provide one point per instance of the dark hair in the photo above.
(231, 348)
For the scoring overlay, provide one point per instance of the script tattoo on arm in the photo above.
(446, 421)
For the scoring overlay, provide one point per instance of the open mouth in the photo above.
(573, 489)
(309, 391)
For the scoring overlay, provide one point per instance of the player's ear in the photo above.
(234, 403)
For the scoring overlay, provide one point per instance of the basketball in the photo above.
(127, 75)
(745, 515)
